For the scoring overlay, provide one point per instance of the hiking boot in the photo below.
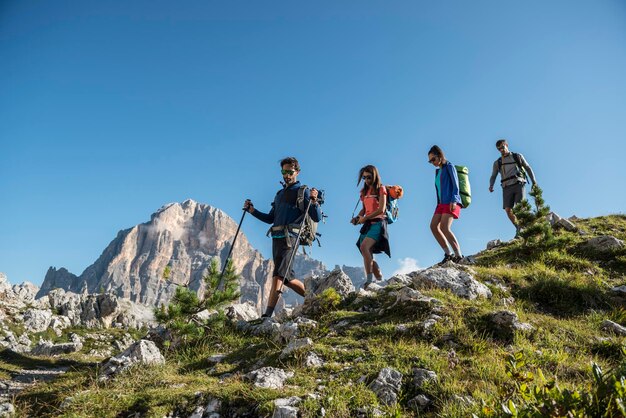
(457, 259)
(446, 258)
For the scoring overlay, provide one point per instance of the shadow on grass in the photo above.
(564, 299)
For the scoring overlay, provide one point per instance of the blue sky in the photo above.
(108, 110)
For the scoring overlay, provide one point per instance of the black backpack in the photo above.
(309, 233)
(518, 163)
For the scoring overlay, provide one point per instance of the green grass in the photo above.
(563, 291)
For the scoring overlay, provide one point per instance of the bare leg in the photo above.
(376, 270)
(366, 252)
(441, 239)
(445, 225)
(297, 286)
(511, 215)
(272, 300)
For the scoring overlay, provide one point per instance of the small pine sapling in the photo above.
(533, 225)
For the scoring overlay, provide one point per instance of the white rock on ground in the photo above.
(141, 352)
(286, 407)
(613, 327)
(242, 311)
(402, 279)
(419, 403)
(312, 360)
(567, 225)
(37, 320)
(460, 282)
(47, 348)
(269, 377)
(423, 376)
(508, 321)
(493, 244)
(387, 385)
(604, 243)
(337, 279)
(210, 410)
(296, 345)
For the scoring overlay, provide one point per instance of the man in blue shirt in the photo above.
(284, 216)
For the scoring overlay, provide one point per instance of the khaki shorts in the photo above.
(513, 194)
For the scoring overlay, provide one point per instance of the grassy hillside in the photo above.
(561, 288)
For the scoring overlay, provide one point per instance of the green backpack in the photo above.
(464, 185)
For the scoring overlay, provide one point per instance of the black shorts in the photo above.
(280, 254)
(513, 194)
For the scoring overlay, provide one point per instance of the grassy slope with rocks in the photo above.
(559, 287)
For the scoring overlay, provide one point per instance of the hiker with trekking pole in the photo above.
(373, 235)
(289, 220)
(448, 205)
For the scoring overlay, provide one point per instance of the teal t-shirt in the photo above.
(438, 183)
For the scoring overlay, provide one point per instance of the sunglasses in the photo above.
(367, 177)
(432, 160)
(500, 148)
(290, 172)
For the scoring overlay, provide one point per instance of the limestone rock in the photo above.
(460, 282)
(419, 403)
(401, 279)
(387, 385)
(553, 218)
(269, 377)
(509, 322)
(423, 376)
(312, 360)
(47, 348)
(59, 323)
(141, 352)
(604, 243)
(613, 327)
(286, 407)
(37, 320)
(292, 329)
(296, 345)
(7, 409)
(25, 292)
(210, 410)
(246, 311)
(337, 279)
(493, 244)
(567, 225)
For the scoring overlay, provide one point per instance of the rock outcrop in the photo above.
(146, 263)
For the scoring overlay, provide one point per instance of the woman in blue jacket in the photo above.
(448, 205)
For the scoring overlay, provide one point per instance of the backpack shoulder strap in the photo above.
(517, 159)
(300, 198)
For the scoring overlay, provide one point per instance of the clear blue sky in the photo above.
(109, 110)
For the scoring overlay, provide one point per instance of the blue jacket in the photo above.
(449, 184)
(285, 210)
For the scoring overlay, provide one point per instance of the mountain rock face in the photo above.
(147, 262)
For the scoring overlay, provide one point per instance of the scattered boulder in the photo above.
(242, 311)
(296, 345)
(286, 407)
(21, 345)
(141, 352)
(387, 385)
(460, 282)
(613, 327)
(423, 376)
(493, 244)
(406, 295)
(620, 290)
(419, 403)
(553, 218)
(210, 410)
(292, 329)
(26, 291)
(336, 279)
(401, 279)
(312, 360)
(59, 323)
(37, 320)
(604, 243)
(509, 322)
(268, 377)
(567, 225)
(48, 348)
(7, 409)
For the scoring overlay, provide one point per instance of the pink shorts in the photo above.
(444, 208)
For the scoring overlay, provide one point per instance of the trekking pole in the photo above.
(221, 283)
(295, 248)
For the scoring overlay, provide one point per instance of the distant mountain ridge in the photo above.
(184, 237)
